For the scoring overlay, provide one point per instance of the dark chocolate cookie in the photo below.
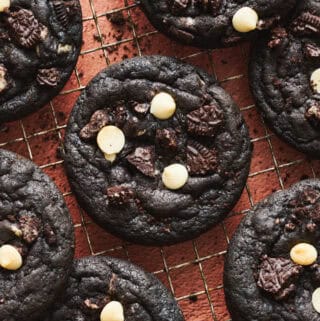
(283, 78)
(39, 46)
(209, 23)
(36, 233)
(272, 269)
(206, 136)
(97, 281)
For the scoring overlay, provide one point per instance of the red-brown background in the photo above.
(192, 270)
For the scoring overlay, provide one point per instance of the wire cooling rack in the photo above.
(191, 270)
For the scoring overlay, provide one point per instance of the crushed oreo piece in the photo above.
(119, 195)
(312, 51)
(48, 77)
(167, 139)
(143, 158)
(64, 9)
(24, 27)
(313, 114)
(30, 227)
(200, 159)
(277, 276)
(140, 108)
(120, 116)
(98, 120)
(277, 36)
(207, 6)
(306, 24)
(267, 23)
(205, 121)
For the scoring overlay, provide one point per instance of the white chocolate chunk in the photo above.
(175, 176)
(304, 254)
(64, 48)
(4, 5)
(3, 82)
(315, 80)
(245, 20)
(110, 157)
(10, 258)
(113, 311)
(163, 106)
(110, 139)
(316, 300)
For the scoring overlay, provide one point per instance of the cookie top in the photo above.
(204, 137)
(39, 46)
(272, 269)
(36, 239)
(215, 23)
(284, 77)
(97, 281)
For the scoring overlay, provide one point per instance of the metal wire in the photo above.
(209, 307)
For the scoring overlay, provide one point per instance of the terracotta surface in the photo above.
(192, 270)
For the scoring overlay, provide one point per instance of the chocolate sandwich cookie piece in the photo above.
(39, 46)
(156, 152)
(272, 268)
(36, 240)
(215, 23)
(284, 77)
(109, 289)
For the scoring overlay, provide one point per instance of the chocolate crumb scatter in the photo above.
(277, 276)
(25, 28)
(205, 121)
(143, 158)
(119, 195)
(98, 120)
(48, 77)
(200, 159)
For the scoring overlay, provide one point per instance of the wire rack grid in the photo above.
(191, 270)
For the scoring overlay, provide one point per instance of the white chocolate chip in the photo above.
(10, 258)
(316, 300)
(315, 80)
(163, 106)
(4, 5)
(110, 140)
(64, 48)
(175, 176)
(3, 81)
(113, 311)
(110, 157)
(245, 20)
(304, 254)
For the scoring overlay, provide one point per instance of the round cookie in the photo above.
(40, 43)
(35, 228)
(97, 281)
(284, 79)
(272, 268)
(215, 23)
(136, 193)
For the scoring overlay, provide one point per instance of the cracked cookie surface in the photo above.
(208, 23)
(95, 281)
(281, 70)
(207, 135)
(33, 219)
(39, 46)
(261, 280)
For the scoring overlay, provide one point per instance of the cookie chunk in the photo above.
(215, 23)
(156, 152)
(272, 269)
(36, 240)
(39, 46)
(104, 288)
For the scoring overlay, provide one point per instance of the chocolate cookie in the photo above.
(272, 268)
(111, 285)
(36, 240)
(215, 23)
(284, 77)
(155, 151)
(39, 46)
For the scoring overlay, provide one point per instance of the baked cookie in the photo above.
(272, 268)
(36, 240)
(155, 151)
(215, 23)
(39, 46)
(285, 79)
(104, 288)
